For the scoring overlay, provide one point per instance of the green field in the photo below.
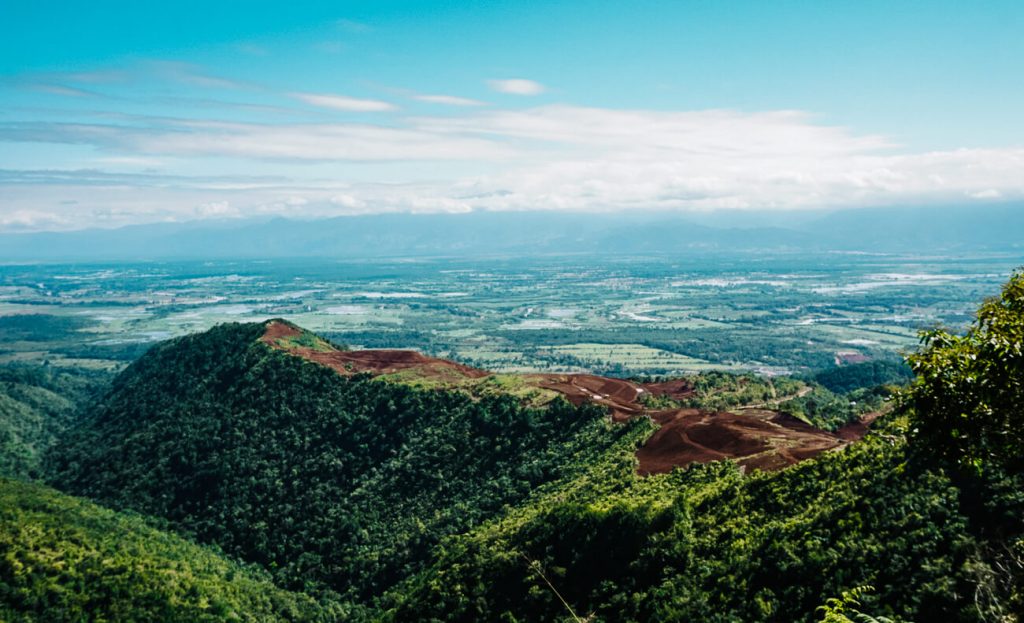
(622, 316)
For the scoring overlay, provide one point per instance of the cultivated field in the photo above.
(617, 316)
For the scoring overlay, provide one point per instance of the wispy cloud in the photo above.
(338, 141)
(329, 47)
(517, 86)
(59, 89)
(352, 26)
(344, 102)
(190, 74)
(448, 100)
(141, 71)
(544, 157)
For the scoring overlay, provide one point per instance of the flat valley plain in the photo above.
(614, 315)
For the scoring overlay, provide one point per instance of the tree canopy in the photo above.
(968, 398)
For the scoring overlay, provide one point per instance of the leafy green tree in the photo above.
(843, 609)
(968, 399)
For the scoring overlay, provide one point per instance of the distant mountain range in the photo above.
(942, 229)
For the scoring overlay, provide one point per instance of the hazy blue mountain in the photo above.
(997, 227)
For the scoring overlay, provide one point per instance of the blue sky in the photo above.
(124, 112)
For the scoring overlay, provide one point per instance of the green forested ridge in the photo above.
(828, 410)
(709, 544)
(67, 559)
(968, 397)
(36, 404)
(326, 481)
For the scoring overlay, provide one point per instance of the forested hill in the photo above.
(329, 482)
(36, 404)
(66, 559)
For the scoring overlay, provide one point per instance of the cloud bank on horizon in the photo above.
(325, 120)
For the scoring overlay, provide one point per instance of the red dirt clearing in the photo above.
(763, 440)
(677, 389)
(349, 362)
(757, 438)
(619, 395)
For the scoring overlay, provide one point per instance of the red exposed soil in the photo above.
(677, 389)
(757, 438)
(348, 362)
(857, 430)
(621, 396)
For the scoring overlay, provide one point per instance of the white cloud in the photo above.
(517, 86)
(190, 74)
(343, 102)
(31, 220)
(546, 157)
(217, 209)
(348, 201)
(448, 100)
(988, 193)
(339, 141)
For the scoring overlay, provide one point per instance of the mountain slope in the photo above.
(329, 481)
(66, 559)
(36, 404)
(712, 545)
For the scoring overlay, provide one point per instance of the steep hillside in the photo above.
(36, 404)
(327, 480)
(66, 559)
(712, 545)
(757, 438)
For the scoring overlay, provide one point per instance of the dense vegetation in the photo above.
(36, 405)
(828, 410)
(843, 379)
(710, 544)
(66, 559)
(38, 327)
(968, 397)
(326, 481)
(857, 392)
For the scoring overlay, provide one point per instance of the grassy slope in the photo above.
(67, 559)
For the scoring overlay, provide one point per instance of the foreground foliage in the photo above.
(968, 399)
(65, 559)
